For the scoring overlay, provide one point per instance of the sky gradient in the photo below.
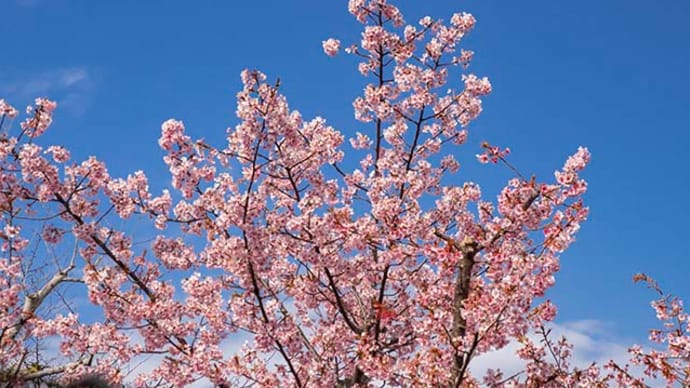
(609, 75)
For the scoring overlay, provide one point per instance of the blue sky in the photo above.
(610, 75)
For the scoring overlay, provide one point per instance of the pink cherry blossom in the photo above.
(331, 47)
(7, 110)
(41, 117)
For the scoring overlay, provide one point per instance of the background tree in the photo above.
(335, 273)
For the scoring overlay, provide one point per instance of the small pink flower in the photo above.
(41, 117)
(60, 154)
(8, 110)
(52, 234)
(483, 158)
(331, 47)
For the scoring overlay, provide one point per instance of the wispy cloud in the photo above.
(592, 340)
(71, 87)
(145, 364)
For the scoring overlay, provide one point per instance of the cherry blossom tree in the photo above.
(281, 263)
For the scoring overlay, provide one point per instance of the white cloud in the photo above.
(73, 76)
(145, 364)
(592, 341)
(71, 87)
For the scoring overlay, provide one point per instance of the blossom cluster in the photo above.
(334, 269)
